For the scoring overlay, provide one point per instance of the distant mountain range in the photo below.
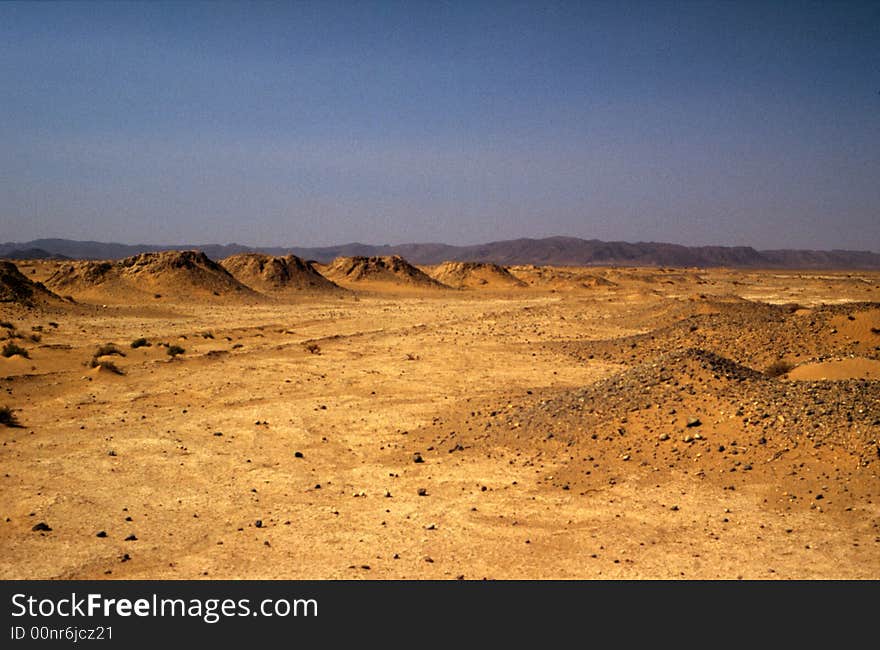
(551, 251)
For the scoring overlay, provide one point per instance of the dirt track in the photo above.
(252, 456)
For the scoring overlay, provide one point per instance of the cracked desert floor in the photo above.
(646, 423)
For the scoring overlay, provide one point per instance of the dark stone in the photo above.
(297, 454)
(102, 533)
(41, 527)
(131, 538)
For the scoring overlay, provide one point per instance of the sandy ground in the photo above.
(283, 442)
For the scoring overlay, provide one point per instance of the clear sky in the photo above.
(298, 123)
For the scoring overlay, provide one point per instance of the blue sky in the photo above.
(298, 123)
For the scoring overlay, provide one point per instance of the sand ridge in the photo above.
(21, 290)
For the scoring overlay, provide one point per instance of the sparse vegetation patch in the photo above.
(7, 417)
(106, 365)
(778, 368)
(12, 349)
(108, 349)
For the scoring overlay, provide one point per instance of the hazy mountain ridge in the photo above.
(554, 251)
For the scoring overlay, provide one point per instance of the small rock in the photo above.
(297, 454)
(101, 533)
(693, 422)
(423, 492)
(664, 436)
(258, 523)
(131, 538)
(417, 458)
(42, 526)
(674, 508)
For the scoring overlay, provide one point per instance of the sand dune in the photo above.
(172, 273)
(475, 275)
(378, 272)
(548, 277)
(271, 274)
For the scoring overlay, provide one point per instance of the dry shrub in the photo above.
(7, 417)
(12, 349)
(778, 368)
(108, 349)
(105, 365)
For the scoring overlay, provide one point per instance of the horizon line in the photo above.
(191, 245)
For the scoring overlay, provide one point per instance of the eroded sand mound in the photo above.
(753, 333)
(18, 289)
(689, 411)
(475, 275)
(272, 274)
(548, 277)
(188, 274)
(391, 271)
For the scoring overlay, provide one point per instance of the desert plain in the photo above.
(171, 417)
